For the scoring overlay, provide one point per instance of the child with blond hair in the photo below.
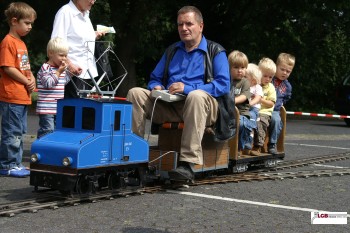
(268, 70)
(285, 63)
(240, 91)
(253, 75)
(51, 80)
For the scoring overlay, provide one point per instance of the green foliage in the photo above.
(316, 32)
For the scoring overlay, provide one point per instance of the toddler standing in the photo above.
(51, 79)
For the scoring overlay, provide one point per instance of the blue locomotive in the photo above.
(91, 148)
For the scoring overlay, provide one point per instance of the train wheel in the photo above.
(84, 185)
(115, 181)
(102, 182)
(142, 176)
(270, 163)
(65, 192)
(239, 168)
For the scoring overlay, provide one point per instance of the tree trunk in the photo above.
(127, 39)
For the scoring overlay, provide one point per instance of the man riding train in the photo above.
(199, 69)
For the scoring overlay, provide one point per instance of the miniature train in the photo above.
(93, 147)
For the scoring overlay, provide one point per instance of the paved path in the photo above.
(268, 206)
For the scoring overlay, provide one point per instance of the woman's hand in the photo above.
(99, 34)
(74, 69)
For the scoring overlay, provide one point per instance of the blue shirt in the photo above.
(188, 68)
(283, 93)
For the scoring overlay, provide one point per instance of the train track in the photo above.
(315, 160)
(47, 200)
(56, 201)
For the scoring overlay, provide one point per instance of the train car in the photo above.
(91, 148)
(217, 156)
(240, 163)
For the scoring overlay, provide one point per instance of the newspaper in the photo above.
(105, 29)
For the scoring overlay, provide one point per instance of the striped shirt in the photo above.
(50, 88)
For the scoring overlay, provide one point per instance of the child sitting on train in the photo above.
(268, 69)
(253, 74)
(285, 63)
(240, 90)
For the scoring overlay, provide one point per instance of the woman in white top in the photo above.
(73, 24)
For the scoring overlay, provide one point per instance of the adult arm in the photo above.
(60, 29)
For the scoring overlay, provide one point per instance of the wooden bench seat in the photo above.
(233, 143)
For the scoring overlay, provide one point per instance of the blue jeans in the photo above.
(276, 126)
(13, 126)
(254, 114)
(47, 124)
(245, 127)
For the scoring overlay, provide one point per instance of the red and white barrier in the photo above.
(318, 114)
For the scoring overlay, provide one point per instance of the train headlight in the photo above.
(67, 161)
(35, 157)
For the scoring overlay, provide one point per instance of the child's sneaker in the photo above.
(19, 172)
(246, 151)
(21, 167)
(255, 151)
(272, 149)
(4, 172)
(15, 172)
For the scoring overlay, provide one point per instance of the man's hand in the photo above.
(176, 88)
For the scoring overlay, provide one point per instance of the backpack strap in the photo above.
(213, 50)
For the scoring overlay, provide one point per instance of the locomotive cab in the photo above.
(92, 141)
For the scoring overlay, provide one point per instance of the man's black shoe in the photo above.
(182, 173)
